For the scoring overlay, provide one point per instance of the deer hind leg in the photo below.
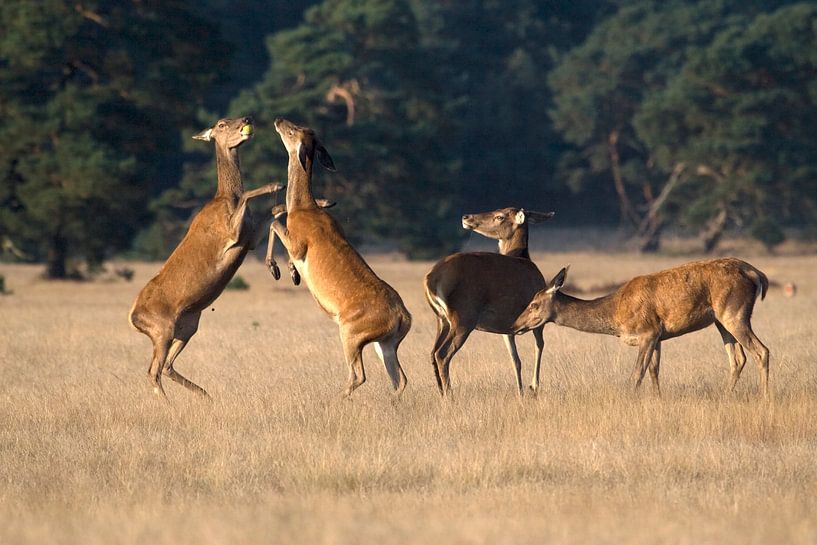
(186, 327)
(387, 351)
(655, 367)
(510, 344)
(540, 344)
(353, 353)
(443, 329)
(735, 354)
(456, 337)
(646, 348)
(161, 348)
(742, 332)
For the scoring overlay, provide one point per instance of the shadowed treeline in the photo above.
(691, 116)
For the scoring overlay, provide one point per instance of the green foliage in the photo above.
(237, 283)
(354, 71)
(725, 88)
(94, 96)
(430, 110)
(746, 106)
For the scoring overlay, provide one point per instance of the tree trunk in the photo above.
(713, 232)
(57, 258)
(650, 240)
(627, 211)
(651, 227)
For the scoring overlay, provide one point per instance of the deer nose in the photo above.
(248, 120)
(467, 217)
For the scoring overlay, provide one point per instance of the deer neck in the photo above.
(517, 245)
(299, 184)
(592, 316)
(229, 173)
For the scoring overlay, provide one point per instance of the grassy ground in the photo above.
(88, 455)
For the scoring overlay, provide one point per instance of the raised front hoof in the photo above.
(295, 275)
(275, 271)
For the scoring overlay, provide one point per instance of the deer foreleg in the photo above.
(240, 213)
(270, 258)
(295, 250)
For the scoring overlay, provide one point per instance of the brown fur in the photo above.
(365, 307)
(169, 307)
(651, 308)
(485, 291)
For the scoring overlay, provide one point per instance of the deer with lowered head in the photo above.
(366, 309)
(169, 307)
(655, 307)
(486, 291)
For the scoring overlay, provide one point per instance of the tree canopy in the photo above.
(93, 97)
(689, 114)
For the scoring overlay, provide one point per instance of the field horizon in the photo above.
(89, 455)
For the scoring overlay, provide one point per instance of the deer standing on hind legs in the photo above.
(169, 307)
(366, 309)
(656, 307)
(485, 291)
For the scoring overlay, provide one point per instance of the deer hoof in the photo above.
(276, 272)
(294, 274)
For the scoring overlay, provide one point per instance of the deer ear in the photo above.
(558, 281)
(539, 217)
(325, 158)
(206, 135)
(519, 219)
(302, 155)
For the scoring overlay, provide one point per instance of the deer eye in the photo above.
(534, 306)
(222, 125)
(499, 218)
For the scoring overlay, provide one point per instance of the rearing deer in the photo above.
(655, 307)
(366, 308)
(169, 307)
(485, 291)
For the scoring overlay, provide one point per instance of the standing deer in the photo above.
(485, 291)
(169, 307)
(655, 307)
(366, 308)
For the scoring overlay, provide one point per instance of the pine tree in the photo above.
(94, 95)
(743, 111)
(355, 71)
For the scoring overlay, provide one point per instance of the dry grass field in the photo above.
(89, 455)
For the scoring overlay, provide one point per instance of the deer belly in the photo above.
(328, 305)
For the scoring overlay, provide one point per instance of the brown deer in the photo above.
(169, 307)
(366, 308)
(652, 308)
(485, 291)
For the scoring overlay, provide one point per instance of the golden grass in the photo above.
(88, 455)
